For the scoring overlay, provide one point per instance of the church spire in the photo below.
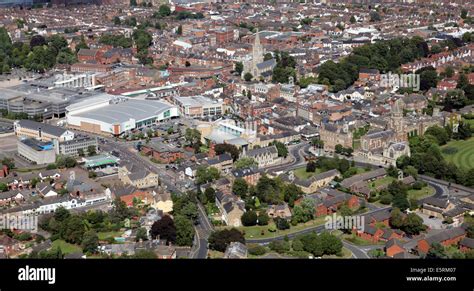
(257, 53)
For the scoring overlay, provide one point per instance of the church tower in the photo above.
(257, 50)
(397, 122)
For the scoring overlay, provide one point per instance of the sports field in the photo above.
(463, 155)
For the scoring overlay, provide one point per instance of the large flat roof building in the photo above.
(117, 115)
(198, 106)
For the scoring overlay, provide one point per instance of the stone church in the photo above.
(257, 66)
(386, 146)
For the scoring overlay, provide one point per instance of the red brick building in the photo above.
(446, 238)
(250, 175)
(393, 247)
(466, 245)
(4, 171)
(162, 153)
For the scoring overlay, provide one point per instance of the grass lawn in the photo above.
(359, 241)
(346, 254)
(215, 254)
(303, 175)
(422, 193)
(382, 181)
(464, 157)
(470, 121)
(255, 232)
(66, 248)
(107, 234)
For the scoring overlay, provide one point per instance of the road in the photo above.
(357, 251)
(203, 230)
(296, 153)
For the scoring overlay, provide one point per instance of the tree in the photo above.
(240, 187)
(205, 175)
(392, 171)
(464, 13)
(184, 231)
(374, 16)
(117, 20)
(311, 167)
(396, 218)
(227, 148)
(282, 223)
(141, 234)
(339, 149)
(164, 10)
(436, 49)
(3, 187)
(400, 201)
(279, 246)
(133, 3)
(239, 67)
(72, 230)
(249, 218)
(263, 218)
(304, 212)
(449, 72)
(281, 148)
(312, 244)
(120, 211)
(439, 133)
(331, 244)
(411, 171)
(192, 136)
(413, 224)
(344, 165)
(353, 20)
(245, 162)
(248, 77)
(61, 214)
(179, 31)
(37, 40)
(165, 229)
(257, 250)
(90, 242)
(210, 194)
(9, 162)
(190, 211)
(58, 42)
(91, 150)
(428, 78)
(386, 198)
(220, 239)
(436, 252)
(291, 193)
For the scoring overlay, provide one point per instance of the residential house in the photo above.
(137, 177)
(280, 211)
(393, 247)
(230, 207)
(313, 183)
(267, 156)
(223, 162)
(436, 207)
(236, 250)
(162, 153)
(466, 244)
(446, 238)
(250, 175)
